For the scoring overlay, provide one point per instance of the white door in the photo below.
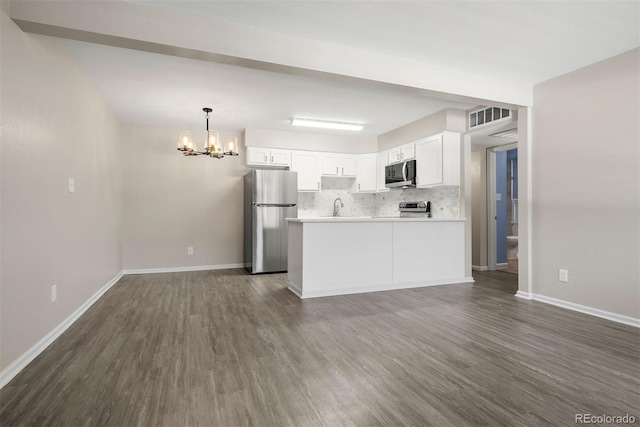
(429, 162)
(308, 167)
(330, 165)
(279, 157)
(394, 155)
(257, 156)
(381, 162)
(408, 152)
(366, 177)
(348, 166)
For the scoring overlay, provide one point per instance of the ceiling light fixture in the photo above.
(212, 143)
(325, 124)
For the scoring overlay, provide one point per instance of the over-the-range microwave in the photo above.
(400, 175)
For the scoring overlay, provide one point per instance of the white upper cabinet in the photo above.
(402, 153)
(280, 157)
(308, 165)
(258, 156)
(381, 163)
(437, 163)
(366, 174)
(438, 160)
(334, 164)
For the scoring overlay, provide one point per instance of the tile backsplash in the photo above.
(445, 201)
(321, 203)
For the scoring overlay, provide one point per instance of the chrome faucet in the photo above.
(336, 207)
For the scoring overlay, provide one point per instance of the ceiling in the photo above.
(525, 40)
(518, 40)
(157, 89)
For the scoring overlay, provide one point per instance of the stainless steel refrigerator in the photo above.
(270, 196)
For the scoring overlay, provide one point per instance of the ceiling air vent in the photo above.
(484, 116)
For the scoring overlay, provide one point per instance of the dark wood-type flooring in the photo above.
(226, 348)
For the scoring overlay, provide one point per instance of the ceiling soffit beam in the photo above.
(139, 27)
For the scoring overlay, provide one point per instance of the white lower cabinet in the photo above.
(366, 173)
(438, 160)
(443, 260)
(330, 257)
(308, 165)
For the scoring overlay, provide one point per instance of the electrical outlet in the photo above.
(190, 250)
(72, 185)
(563, 275)
(54, 293)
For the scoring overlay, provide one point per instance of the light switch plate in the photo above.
(72, 185)
(498, 197)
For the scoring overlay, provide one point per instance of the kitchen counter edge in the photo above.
(371, 219)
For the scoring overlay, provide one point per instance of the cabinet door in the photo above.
(257, 156)
(394, 155)
(366, 176)
(429, 162)
(280, 158)
(307, 164)
(330, 165)
(348, 166)
(451, 159)
(381, 162)
(408, 152)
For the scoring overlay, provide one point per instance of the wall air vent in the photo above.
(487, 115)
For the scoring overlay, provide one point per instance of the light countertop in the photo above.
(331, 219)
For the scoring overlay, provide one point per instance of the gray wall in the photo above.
(449, 119)
(55, 126)
(172, 202)
(586, 194)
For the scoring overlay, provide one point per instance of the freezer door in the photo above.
(270, 238)
(275, 187)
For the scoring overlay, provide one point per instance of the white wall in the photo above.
(54, 126)
(172, 202)
(310, 141)
(445, 120)
(586, 193)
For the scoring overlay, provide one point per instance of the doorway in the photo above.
(502, 208)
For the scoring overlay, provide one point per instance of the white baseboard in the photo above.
(180, 269)
(502, 265)
(378, 288)
(479, 267)
(295, 290)
(27, 357)
(524, 295)
(614, 317)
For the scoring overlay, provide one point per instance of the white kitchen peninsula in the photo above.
(336, 256)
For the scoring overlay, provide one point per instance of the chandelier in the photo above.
(212, 146)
